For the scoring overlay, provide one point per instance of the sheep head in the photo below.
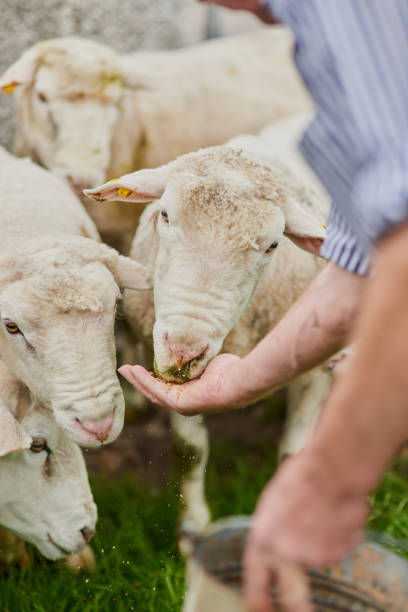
(45, 494)
(68, 93)
(57, 314)
(221, 218)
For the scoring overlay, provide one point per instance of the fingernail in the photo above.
(126, 372)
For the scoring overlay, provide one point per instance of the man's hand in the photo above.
(304, 518)
(215, 390)
(258, 7)
(311, 331)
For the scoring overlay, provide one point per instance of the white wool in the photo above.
(228, 194)
(124, 24)
(219, 194)
(215, 287)
(202, 95)
(59, 286)
(278, 142)
(118, 113)
(35, 203)
(55, 478)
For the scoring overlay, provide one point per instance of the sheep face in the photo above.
(57, 336)
(213, 247)
(220, 219)
(45, 494)
(68, 94)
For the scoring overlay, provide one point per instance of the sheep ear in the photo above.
(12, 435)
(302, 227)
(127, 272)
(132, 275)
(20, 73)
(140, 186)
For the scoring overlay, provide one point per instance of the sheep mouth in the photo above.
(180, 373)
(64, 551)
(177, 374)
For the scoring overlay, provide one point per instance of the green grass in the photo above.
(138, 566)
(389, 508)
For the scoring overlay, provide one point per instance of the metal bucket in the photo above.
(370, 579)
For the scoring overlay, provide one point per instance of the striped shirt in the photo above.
(353, 57)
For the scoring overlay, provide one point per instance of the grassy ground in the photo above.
(138, 566)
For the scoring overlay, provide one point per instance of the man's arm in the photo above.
(313, 511)
(258, 7)
(312, 330)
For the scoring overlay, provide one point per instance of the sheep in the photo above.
(45, 494)
(58, 293)
(90, 114)
(221, 242)
(125, 24)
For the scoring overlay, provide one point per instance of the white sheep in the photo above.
(218, 241)
(45, 494)
(90, 114)
(58, 293)
(124, 24)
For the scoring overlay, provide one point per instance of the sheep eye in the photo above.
(272, 247)
(12, 327)
(164, 216)
(42, 97)
(38, 445)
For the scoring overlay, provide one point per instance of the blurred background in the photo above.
(126, 25)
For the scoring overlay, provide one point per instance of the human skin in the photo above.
(304, 489)
(314, 328)
(313, 511)
(254, 6)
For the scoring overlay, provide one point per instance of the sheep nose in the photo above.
(87, 534)
(182, 353)
(100, 429)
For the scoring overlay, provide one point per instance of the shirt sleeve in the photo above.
(353, 57)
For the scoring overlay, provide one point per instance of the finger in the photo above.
(138, 375)
(293, 588)
(174, 396)
(139, 370)
(141, 379)
(132, 374)
(256, 580)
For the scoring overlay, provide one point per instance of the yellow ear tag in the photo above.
(112, 180)
(8, 89)
(123, 192)
(324, 226)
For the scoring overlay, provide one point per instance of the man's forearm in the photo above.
(311, 331)
(316, 326)
(365, 420)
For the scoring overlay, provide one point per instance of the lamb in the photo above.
(219, 241)
(45, 493)
(58, 293)
(90, 114)
(126, 24)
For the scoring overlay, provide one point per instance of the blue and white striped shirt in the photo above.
(353, 57)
